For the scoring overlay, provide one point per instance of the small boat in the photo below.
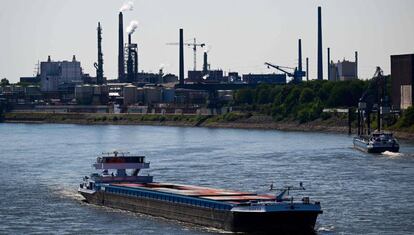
(377, 142)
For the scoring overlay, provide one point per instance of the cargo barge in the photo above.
(378, 142)
(119, 185)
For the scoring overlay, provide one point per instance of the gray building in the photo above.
(55, 75)
(402, 74)
(342, 71)
(272, 78)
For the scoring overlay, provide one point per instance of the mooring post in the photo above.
(349, 121)
(359, 122)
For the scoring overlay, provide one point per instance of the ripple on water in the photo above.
(43, 164)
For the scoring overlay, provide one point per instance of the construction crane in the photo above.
(296, 75)
(194, 45)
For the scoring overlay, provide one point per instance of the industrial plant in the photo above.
(62, 86)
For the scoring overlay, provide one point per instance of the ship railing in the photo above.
(109, 179)
(115, 166)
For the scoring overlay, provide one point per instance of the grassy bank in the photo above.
(104, 118)
(335, 123)
(242, 120)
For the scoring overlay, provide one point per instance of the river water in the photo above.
(41, 166)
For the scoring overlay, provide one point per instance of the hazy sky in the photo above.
(242, 34)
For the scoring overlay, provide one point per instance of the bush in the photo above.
(307, 95)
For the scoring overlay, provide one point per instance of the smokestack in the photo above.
(99, 65)
(130, 69)
(329, 63)
(136, 63)
(320, 57)
(205, 64)
(300, 56)
(307, 69)
(121, 59)
(356, 64)
(181, 68)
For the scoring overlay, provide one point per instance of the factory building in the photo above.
(35, 79)
(342, 71)
(55, 75)
(402, 74)
(272, 78)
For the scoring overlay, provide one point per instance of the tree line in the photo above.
(303, 102)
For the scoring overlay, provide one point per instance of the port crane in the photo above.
(194, 45)
(375, 97)
(296, 74)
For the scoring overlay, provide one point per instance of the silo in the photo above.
(32, 90)
(168, 95)
(152, 95)
(83, 94)
(130, 94)
(140, 94)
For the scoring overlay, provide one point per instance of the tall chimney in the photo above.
(307, 69)
(329, 63)
(356, 64)
(181, 68)
(130, 69)
(136, 63)
(121, 59)
(320, 56)
(205, 64)
(99, 65)
(300, 56)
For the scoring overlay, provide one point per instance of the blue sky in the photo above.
(242, 34)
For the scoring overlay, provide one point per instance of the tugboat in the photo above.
(118, 185)
(378, 142)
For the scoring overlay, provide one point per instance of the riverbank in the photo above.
(230, 120)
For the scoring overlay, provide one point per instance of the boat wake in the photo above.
(66, 193)
(392, 154)
(326, 228)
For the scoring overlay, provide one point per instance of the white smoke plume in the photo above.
(133, 25)
(128, 6)
(207, 48)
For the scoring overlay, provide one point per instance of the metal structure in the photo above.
(194, 45)
(132, 60)
(373, 99)
(307, 69)
(121, 59)
(181, 57)
(296, 74)
(99, 65)
(329, 63)
(320, 56)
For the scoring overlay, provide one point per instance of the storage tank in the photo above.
(96, 90)
(140, 95)
(32, 90)
(104, 89)
(168, 95)
(130, 94)
(17, 89)
(84, 94)
(153, 95)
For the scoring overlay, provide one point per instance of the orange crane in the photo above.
(194, 45)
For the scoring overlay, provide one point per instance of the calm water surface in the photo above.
(42, 165)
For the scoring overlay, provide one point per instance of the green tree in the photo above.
(4, 82)
(244, 96)
(307, 95)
